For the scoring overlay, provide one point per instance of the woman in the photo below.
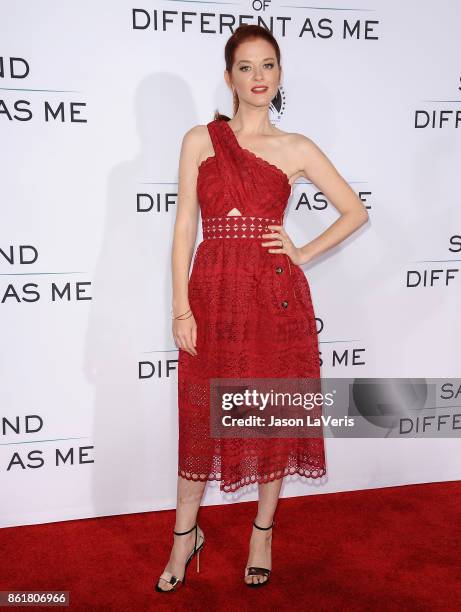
(246, 310)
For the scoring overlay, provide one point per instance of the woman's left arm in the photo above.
(316, 167)
(323, 174)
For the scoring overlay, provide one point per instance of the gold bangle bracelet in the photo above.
(181, 315)
(182, 319)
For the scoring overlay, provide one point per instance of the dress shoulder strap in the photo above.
(215, 132)
(224, 153)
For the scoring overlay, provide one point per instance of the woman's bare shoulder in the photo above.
(194, 141)
(197, 131)
(295, 138)
(196, 136)
(303, 147)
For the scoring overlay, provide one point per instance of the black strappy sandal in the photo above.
(259, 571)
(171, 578)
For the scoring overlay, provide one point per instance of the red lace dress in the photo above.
(254, 315)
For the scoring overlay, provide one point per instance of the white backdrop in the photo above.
(93, 111)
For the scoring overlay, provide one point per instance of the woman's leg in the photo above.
(189, 497)
(260, 541)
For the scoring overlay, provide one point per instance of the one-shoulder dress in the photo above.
(254, 315)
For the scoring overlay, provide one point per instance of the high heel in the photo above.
(171, 578)
(259, 571)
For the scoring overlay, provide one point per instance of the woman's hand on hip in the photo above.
(280, 238)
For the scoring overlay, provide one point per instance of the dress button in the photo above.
(278, 269)
(285, 304)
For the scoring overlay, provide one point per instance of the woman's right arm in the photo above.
(184, 237)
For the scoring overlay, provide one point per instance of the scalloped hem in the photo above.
(249, 480)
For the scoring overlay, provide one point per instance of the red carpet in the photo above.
(387, 549)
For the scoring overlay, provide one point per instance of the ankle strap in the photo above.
(264, 528)
(185, 532)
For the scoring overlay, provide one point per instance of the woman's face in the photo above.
(255, 66)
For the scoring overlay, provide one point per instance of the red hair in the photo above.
(242, 34)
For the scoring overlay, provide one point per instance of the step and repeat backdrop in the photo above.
(95, 99)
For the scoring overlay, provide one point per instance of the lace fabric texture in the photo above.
(255, 319)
